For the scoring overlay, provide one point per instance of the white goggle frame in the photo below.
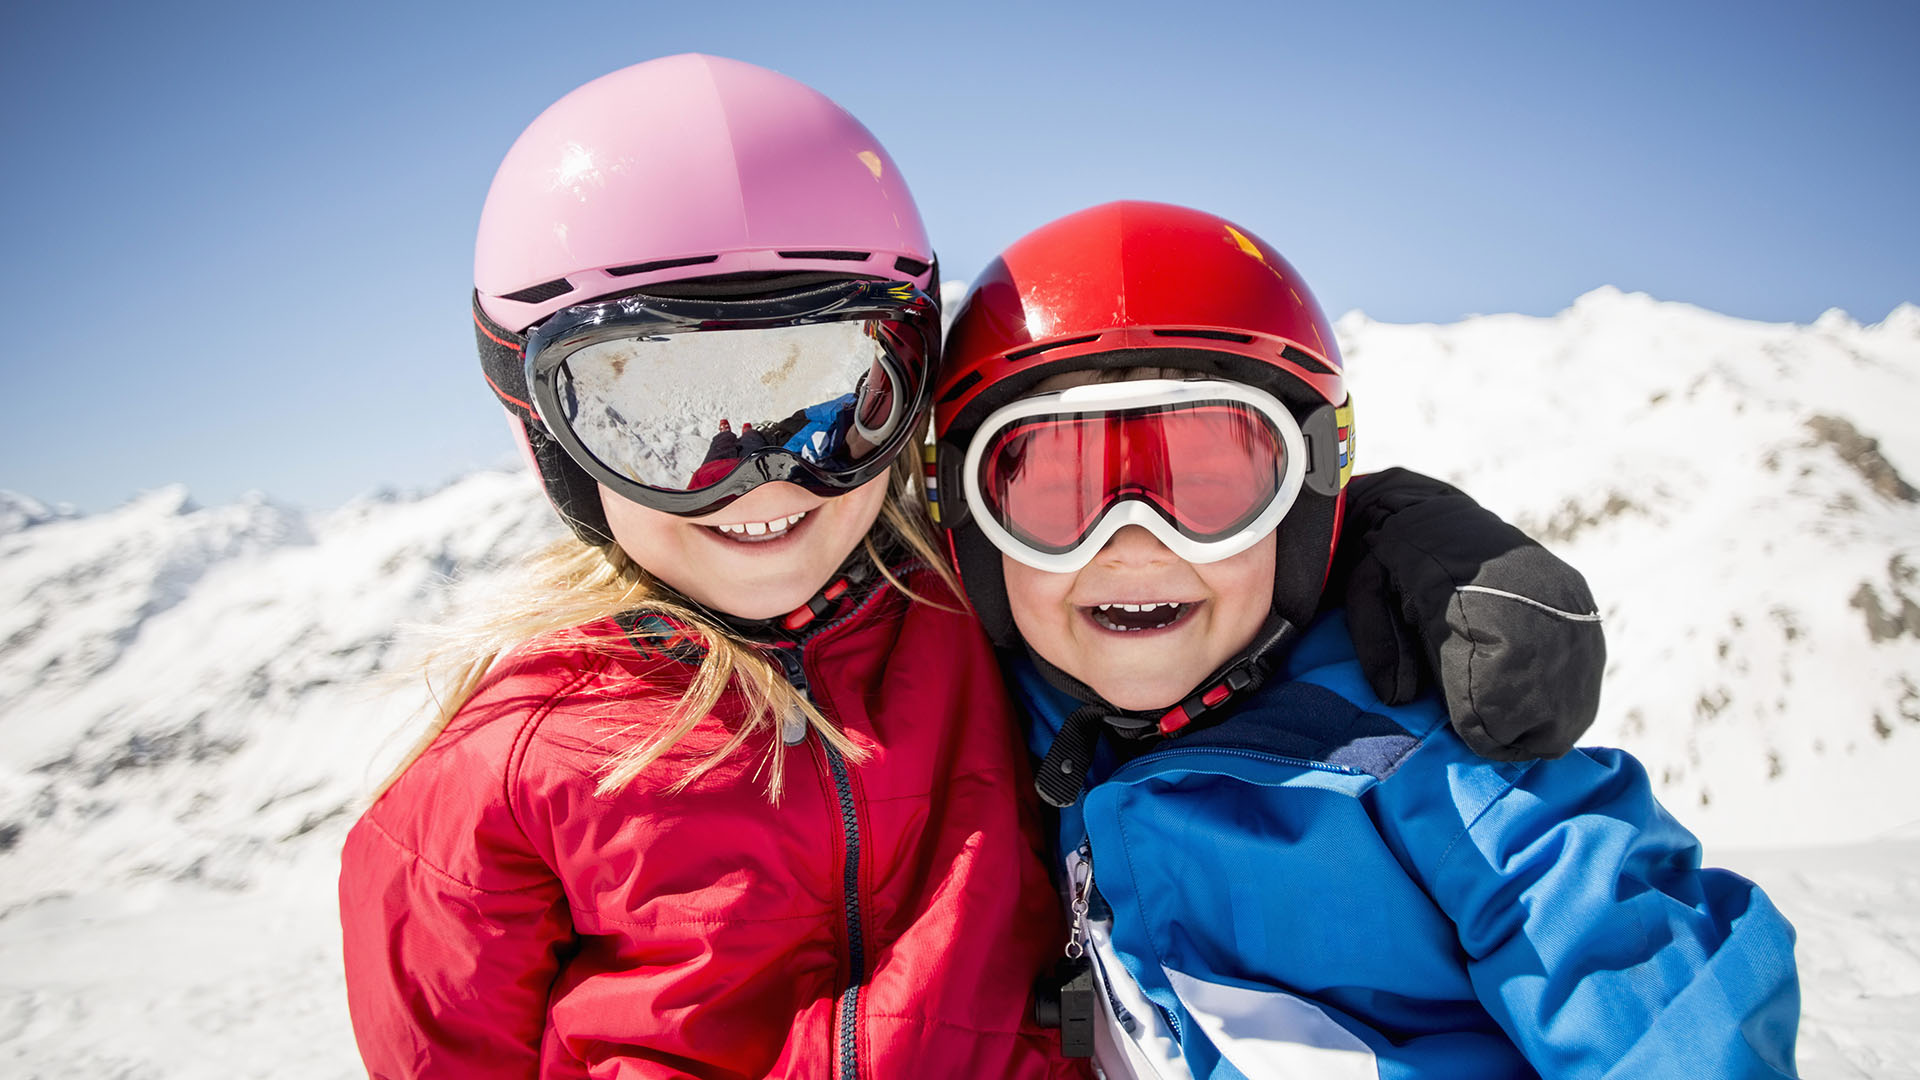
(1094, 398)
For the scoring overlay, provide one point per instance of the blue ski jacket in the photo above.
(1325, 886)
(825, 429)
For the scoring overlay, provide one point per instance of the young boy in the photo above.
(1144, 442)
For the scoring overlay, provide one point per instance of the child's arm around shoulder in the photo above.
(1593, 934)
(454, 924)
(1440, 591)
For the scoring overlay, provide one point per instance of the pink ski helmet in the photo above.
(685, 167)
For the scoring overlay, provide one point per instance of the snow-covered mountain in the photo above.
(1739, 495)
(193, 700)
(184, 692)
(193, 703)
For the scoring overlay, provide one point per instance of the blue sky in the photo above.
(239, 237)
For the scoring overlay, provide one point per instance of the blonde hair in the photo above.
(571, 584)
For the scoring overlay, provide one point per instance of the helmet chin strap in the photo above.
(855, 573)
(1063, 774)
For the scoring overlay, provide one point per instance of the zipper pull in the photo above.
(793, 726)
(1081, 877)
(1065, 999)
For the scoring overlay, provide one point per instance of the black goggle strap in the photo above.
(572, 492)
(1062, 775)
(503, 356)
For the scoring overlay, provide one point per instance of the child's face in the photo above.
(1224, 605)
(740, 573)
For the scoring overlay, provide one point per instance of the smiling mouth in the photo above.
(758, 532)
(1136, 618)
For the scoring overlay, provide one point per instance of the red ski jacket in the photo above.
(884, 920)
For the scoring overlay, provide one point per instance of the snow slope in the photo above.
(1738, 495)
(193, 700)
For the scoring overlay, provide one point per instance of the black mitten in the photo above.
(1436, 584)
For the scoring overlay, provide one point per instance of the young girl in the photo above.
(734, 791)
(1273, 872)
(638, 846)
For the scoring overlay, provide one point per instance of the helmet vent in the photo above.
(1036, 350)
(837, 256)
(661, 264)
(541, 293)
(911, 267)
(1216, 335)
(1306, 360)
(965, 384)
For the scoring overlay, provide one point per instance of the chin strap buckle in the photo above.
(822, 602)
(1244, 674)
(1177, 719)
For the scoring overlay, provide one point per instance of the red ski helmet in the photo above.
(688, 177)
(1131, 284)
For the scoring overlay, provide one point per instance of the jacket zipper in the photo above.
(849, 1046)
(1080, 898)
(846, 1042)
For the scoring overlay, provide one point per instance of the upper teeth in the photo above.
(762, 528)
(1140, 607)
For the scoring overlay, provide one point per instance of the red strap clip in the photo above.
(1200, 704)
(817, 606)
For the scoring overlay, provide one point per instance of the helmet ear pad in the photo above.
(985, 582)
(1302, 555)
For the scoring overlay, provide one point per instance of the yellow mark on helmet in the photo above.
(872, 161)
(1245, 244)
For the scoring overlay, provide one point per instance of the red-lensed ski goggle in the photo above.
(684, 405)
(1208, 467)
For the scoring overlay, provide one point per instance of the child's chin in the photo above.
(1157, 696)
(1134, 678)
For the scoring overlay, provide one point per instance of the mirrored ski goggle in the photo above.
(685, 405)
(1208, 467)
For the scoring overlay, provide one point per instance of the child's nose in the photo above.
(1135, 546)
